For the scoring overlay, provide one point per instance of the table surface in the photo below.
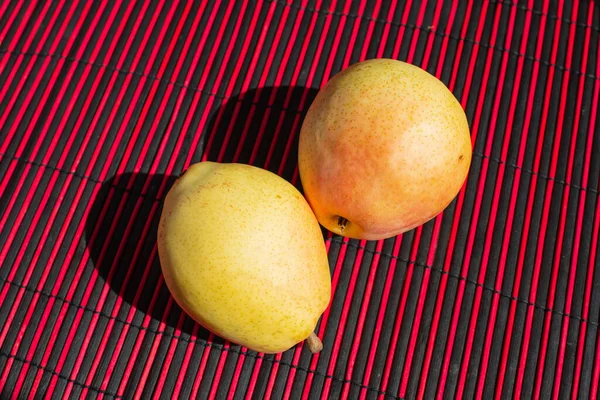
(103, 103)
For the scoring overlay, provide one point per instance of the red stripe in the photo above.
(218, 372)
(288, 147)
(526, 227)
(39, 211)
(317, 56)
(24, 140)
(122, 58)
(369, 34)
(219, 78)
(259, 47)
(446, 37)
(271, 55)
(3, 8)
(141, 384)
(237, 372)
(134, 134)
(282, 115)
(26, 47)
(12, 234)
(381, 315)
(412, 344)
(259, 137)
(272, 376)
(51, 148)
(103, 173)
(186, 361)
(510, 217)
(302, 55)
(565, 204)
(149, 97)
(291, 41)
(386, 29)
(437, 225)
(243, 52)
(55, 290)
(254, 378)
(401, 28)
(480, 189)
(228, 92)
(127, 324)
(202, 366)
(292, 371)
(583, 329)
(459, 203)
(325, 318)
(174, 115)
(20, 26)
(336, 42)
(33, 90)
(416, 32)
(167, 363)
(91, 326)
(580, 211)
(138, 343)
(116, 307)
(509, 126)
(46, 195)
(44, 235)
(541, 240)
(496, 199)
(343, 319)
(391, 351)
(358, 329)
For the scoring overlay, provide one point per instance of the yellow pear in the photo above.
(243, 254)
(384, 148)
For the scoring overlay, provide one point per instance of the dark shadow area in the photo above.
(121, 235)
(259, 127)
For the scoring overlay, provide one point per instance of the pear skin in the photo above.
(243, 254)
(384, 147)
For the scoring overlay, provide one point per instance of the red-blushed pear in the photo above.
(243, 254)
(384, 147)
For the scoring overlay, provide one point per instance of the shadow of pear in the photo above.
(261, 127)
(258, 127)
(121, 237)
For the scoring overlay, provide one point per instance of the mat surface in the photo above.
(103, 103)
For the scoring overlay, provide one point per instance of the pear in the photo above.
(384, 148)
(243, 254)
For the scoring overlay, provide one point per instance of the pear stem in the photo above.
(314, 343)
(342, 224)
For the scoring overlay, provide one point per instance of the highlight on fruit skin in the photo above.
(384, 147)
(243, 254)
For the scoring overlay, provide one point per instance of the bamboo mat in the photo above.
(104, 103)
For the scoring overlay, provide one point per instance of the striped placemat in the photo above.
(104, 103)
